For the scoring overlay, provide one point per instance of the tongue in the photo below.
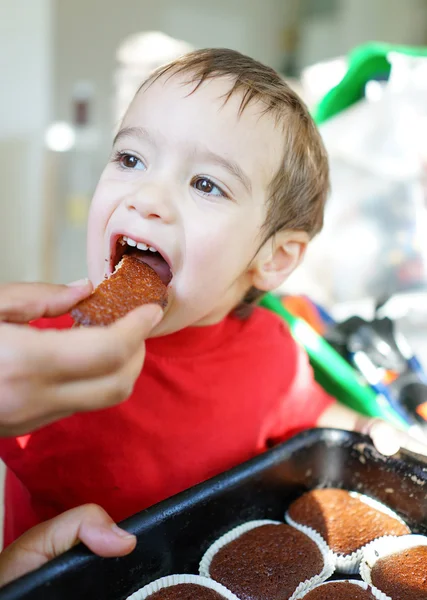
(155, 261)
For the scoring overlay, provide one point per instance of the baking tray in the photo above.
(173, 535)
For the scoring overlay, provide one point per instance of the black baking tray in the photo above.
(173, 535)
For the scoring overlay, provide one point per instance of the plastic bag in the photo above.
(374, 243)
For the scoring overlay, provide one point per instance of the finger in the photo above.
(388, 440)
(31, 423)
(64, 399)
(89, 524)
(385, 437)
(66, 378)
(24, 302)
(78, 283)
(36, 399)
(60, 400)
(98, 393)
(91, 352)
(410, 441)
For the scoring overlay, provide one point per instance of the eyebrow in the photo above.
(135, 132)
(230, 165)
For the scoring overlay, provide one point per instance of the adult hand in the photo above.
(46, 375)
(89, 524)
(387, 439)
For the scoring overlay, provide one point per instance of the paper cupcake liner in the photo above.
(384, 547)
(350, 563)
(343, 563)
(361, 584)
(226, 539)
(171, 580)
(328, 567)
(378, 505)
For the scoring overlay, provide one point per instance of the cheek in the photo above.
(100, 211)
(221, 252)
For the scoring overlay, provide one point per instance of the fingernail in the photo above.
(153, 312)
(157, 317)
(78, 283)
(121, 532)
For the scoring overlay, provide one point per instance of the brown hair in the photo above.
(298, 191)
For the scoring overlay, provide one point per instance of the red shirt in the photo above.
(207, 399)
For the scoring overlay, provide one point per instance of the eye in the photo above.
(207, 187)
(129, 161)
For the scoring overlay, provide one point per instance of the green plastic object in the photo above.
(332, 372)
(364, 63)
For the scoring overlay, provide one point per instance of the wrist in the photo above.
(365, 425)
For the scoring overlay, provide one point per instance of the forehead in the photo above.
(170, 108)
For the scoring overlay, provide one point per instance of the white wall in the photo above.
(360, 21)
(88, 34)
(25, 104)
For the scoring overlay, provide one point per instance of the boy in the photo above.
(219, 178)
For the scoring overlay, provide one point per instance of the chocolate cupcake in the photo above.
(397, 569)
(268, 560)
(347, 521)
(340, 590)
(183, 587)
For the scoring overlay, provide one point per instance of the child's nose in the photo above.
(152, 202)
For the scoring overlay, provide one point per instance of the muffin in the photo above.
(397, 569)
(347, 521)
(183, 587)
(340, 590)
(263, 560)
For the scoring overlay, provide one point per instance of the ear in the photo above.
(276, 260)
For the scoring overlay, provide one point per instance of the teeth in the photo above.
(140, 245)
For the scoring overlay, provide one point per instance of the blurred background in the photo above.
(69, 69)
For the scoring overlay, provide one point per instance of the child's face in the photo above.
(189, 177)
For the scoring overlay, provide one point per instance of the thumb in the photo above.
(139, 322)
(89, 524)
(388, 440)
(385, 437)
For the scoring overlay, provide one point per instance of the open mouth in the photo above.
(144, 253)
